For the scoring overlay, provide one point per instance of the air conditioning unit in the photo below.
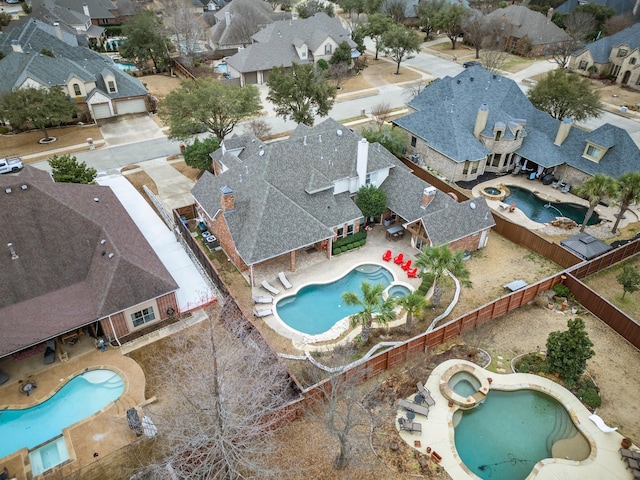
(415, 158)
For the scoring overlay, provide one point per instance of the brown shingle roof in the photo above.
(79, 259)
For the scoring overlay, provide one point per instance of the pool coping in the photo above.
(437, 433)
(339, 328)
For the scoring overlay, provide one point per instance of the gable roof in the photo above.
(446, 115)
(289, 187)
(601, 49)
(620, 6)
(533, 25)
(70, 60)
(275, 44)
(80, 258)
(585, 246)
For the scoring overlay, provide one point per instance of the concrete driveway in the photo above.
(129, 129)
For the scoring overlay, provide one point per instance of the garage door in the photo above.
(131, 106)
(251, 78)
(101, 110)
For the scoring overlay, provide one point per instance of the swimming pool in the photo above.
(79, 398)
(506, 435)
(315, 308)
(540, 211)
(125, 66)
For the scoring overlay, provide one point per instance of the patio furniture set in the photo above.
(420, 405)
(632, 459)
(260, 299)
(399, 260)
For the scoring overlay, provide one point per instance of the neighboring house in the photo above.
(282, 43)
(532, 33)
(201, 6)
(622, 7)
(270, 201)
(71, 21)
(617, 55)
(237, 21)
(410, 9)
(99, 88)
(73, 258)
(481, 122)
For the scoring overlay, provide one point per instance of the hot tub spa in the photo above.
(494, 193)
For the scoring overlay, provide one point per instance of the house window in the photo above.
(327, 49)
(593, 152)
(350, 229)
(497, 157)
(145, 315)
(340, 232)
(583, 65)
(76, 90)
(622, 52)
(303, 53)
(367, 180)
(632, 61)
(414, 141)
(112, 86)
(466, 168)
(498, 135)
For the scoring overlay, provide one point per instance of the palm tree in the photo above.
(594, 190)
(628, 193)
(413, 303)
(438, 260)
(373, 305)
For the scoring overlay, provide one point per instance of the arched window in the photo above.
(76, 90)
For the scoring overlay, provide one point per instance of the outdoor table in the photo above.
(395, 232)
(411, 416)
(418, 399)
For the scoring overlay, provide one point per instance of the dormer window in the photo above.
(593, 152)
(303, 52)
(76, 90)
(498, 135)
(111, 85)
(327, 49)
(623, 52)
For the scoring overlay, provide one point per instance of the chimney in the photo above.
(481, 120)
(85, 9)
(428, 194)
(227, 17)
(56, 26)
(362, 160)
(227, 201)
(15, 45)
(563, 131)
(550, 14)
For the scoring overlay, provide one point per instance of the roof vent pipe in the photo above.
(14, 255)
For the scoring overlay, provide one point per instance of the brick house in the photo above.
(272, 201)
(617, 55)
(479, 122)
(73, 259)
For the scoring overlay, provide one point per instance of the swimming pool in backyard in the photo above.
(542, 211)
(316, 308)
(510, 431)
(34, 427)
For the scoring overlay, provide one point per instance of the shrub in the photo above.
(563, 291)
(591, 399)
(532, 363)
(4, 130)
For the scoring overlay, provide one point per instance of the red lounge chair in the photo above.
(399, 259)
(406, 265)
(387, 255)
(412, 273)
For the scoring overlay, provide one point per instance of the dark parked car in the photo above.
(472, 63)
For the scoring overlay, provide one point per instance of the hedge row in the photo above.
(348, 247)
(427, 281)
(356, 237)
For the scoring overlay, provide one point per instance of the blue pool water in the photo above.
(125, 66)
(507, 434)
(81, 397)
(398, 291)
(540, 211)
(317, 307)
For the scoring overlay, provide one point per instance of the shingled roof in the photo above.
(69, 59)
(446, 114)
(601, 49)
(80, 258)
(288, 186)
(533, 25)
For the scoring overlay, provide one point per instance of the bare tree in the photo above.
(260, 128)
(493, 60)
(224, 391)
(338, 72)
(618, 23)
(494, 54)
(187, 27)
(416, 89)
(476, 30)
(395, 9)
(341, 410)
(380, 112)
(577, 25)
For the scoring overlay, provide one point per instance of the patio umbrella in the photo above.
(134, 421)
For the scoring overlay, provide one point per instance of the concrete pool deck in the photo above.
(438, 432)
(315, 268)
(547, 192)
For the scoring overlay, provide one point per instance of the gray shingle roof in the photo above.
(62, 280)
(601, 49)
(446, 115)
(620, 6)
(285, 190)
(585, 246)
(533, 25)
(70, 60)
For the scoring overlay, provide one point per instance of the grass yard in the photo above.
(607, 286)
